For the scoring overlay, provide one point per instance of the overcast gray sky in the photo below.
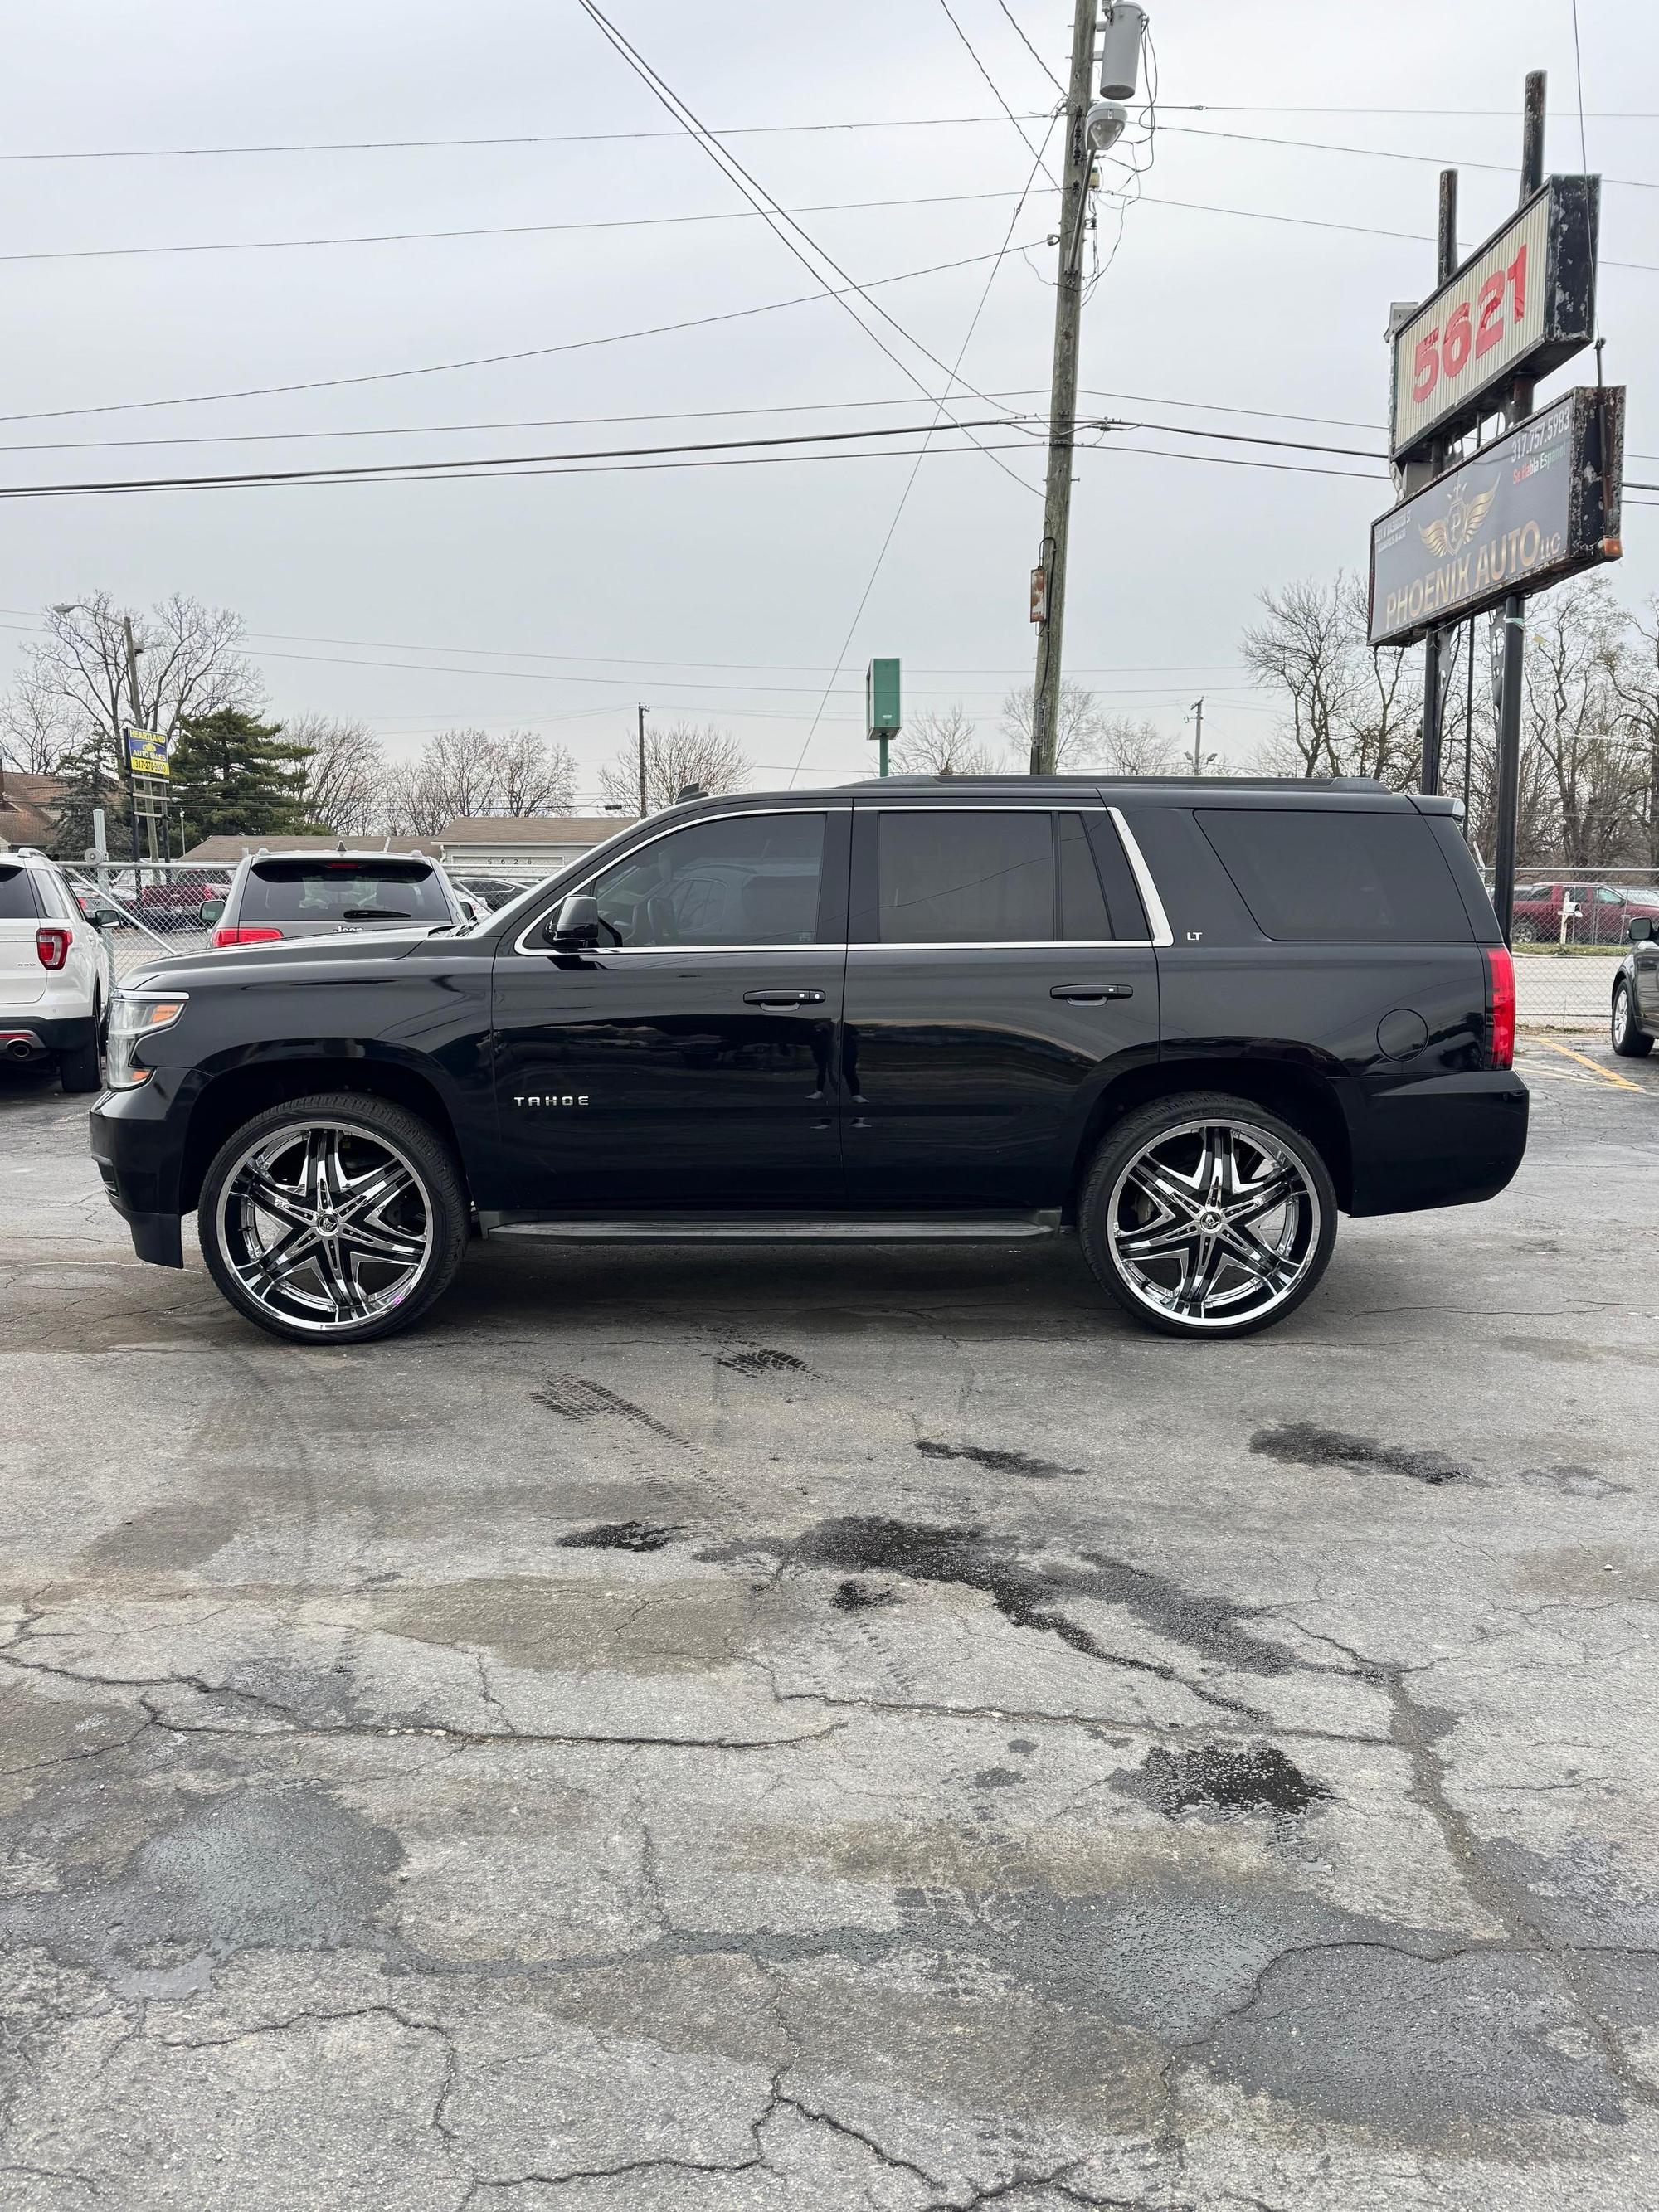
(727, 592)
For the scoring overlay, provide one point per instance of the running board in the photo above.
(780, 1228)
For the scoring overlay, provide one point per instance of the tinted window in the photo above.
(1082, 903)
(746, 879)
(341, 892)
(17, 896)
(973, 877)
(1330, 875)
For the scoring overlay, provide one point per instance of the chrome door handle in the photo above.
(1091, 994)
(783, 997)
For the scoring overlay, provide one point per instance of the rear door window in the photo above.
(973, 876)
(341, 892)
(1314, 875)
(17, 901)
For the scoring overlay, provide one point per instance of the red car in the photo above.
(1603, 912)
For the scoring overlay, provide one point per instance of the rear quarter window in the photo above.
(18, 900)
(1315, 875)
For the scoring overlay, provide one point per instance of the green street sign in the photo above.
(882, 710)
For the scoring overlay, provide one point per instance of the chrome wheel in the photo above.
(1213, 1223)
(326, 1226)
(1620, 1018)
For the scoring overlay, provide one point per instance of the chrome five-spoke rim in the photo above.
(1620, 1016)
(325, 1225)
(1213, 1223)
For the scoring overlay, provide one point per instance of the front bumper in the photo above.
(1442, 1140)
(134, 1141)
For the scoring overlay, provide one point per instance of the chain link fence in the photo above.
(1569, 934)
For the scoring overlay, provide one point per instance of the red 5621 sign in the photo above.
(1521, 305)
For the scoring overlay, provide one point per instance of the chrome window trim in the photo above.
(1156, 918)
(679, 951)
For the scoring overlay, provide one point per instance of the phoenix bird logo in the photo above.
(1465, 512)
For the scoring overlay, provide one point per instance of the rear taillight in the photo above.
(247, 936)
(1500, 1005)
(53, 946)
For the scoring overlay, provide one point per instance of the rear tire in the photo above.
(80, 1069)
(1524, 933)
(1630, 1041)
(1203, 1215)
(333, 1219)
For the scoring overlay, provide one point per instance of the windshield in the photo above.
(343, 890)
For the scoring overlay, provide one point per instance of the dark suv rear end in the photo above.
(1188, 1021)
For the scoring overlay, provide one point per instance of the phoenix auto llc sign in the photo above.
(1537, 504)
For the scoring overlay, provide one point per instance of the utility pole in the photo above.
(1087, 129)
(644, 809)
(1197, 737)
(137, 723)
(1434, 703)
(1514, 607)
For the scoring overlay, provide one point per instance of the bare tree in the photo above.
(677, 755)
(1635, 678)
(188, 665)
(533, 775)
(1303, 651)
(934, 744)
(1078, 739)
(1123, 747)
(345, 772)
(39, 732)
(412, 801)
(1573, 714)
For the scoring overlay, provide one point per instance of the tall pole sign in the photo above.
(1485, 528)
(884, 705)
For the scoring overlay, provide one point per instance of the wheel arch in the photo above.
(237, 1094)
(1297, 1093)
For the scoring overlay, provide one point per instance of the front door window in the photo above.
(744, 880)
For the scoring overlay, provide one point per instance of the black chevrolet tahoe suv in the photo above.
(1188, 1021)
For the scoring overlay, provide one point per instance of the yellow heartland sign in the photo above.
(147, 753)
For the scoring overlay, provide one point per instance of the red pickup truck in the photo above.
(1603, 912)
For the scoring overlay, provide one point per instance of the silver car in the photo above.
(280, 895)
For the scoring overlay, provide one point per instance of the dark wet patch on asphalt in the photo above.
(1025, 1592)
(578, 1399)
(620, 1536)
(761, 1359)
(861, 1597)
(1222, 1778)
(1304, 1443)
(1000, 1460)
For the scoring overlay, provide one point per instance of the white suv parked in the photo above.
(56, 974)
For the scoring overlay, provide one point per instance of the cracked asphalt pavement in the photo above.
(734, 1732)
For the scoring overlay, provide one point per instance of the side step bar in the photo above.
(778, 1228)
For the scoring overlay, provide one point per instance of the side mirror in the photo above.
(95, 914)
(210, 911)
(575, 927)
(1641, 933)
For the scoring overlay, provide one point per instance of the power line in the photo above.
(495, 360)
(488, 230)
(368, 472)
(1384, 154)
(760, 198)
(996, 89)
(524, 139)
(1020, 33)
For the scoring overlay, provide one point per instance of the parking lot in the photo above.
(693, 1730)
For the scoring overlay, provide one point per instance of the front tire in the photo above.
(1630, 1041)
(80, 1069)
(333, 1219)
(1204, 1215)
(1524, 933)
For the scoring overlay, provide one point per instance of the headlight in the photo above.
(131, 1018)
